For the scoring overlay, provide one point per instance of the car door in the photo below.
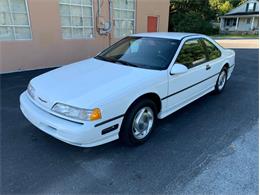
(186, 87)
(215, 62)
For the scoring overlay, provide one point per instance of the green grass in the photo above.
(235, 36)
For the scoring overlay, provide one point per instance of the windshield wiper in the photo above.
(104, 59)
(126, 63)
(116, 61)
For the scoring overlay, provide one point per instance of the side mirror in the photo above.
(178, 69)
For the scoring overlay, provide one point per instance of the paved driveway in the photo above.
(178, 152)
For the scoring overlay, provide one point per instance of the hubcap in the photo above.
(143, 123)
(222, 80)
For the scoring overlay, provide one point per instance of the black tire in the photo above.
(219, 89)
(126, 134)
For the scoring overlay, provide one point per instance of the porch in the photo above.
(240, 24)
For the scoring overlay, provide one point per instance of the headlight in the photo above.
(77, 113)
(31, 91)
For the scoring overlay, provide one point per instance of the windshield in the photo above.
(142, 52)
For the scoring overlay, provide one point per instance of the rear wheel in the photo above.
(138, 123)
(222, 80)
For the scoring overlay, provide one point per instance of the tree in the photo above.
(236, 3)
(198, 15)
(190, 22)
(225, 7)
(186, 6)
(191, 16)
(220, 7)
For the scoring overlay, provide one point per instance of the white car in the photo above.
(122, 91)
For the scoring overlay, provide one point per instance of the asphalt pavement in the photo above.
(185, 155)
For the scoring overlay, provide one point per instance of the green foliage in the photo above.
(186, 6)
(225, 7)
(191, 16)
(236, 3)
(197, 15)
(221, 7)
(190, 22)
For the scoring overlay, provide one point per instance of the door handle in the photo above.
(208, 67)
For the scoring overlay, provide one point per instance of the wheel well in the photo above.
(152, 96)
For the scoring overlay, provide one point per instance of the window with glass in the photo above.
(124, 17)
(14, 20)
(76, 19)
(192, 53)
(230, 21)
(141, 52)
(212, 50)
(251, 7)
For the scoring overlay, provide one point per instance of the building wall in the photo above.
(157, 8)
(47, 47)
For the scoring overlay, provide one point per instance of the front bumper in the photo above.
(83, 135)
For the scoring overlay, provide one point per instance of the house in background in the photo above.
(243, 19)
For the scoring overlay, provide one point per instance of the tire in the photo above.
(221, 82)
(129, 130)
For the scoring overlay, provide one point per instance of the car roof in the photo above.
(167, 35)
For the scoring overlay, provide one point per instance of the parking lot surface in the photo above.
(175, 159)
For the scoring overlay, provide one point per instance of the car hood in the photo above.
(86, 82)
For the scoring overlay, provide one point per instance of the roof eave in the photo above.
(241, 14)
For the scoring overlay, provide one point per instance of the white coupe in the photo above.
(121, 92)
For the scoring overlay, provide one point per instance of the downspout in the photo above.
(98, 12)
(110, 21)
(110, 15)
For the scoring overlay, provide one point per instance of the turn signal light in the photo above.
(95, 114)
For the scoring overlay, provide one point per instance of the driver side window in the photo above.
(192, 53)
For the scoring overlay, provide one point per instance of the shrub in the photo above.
(191, 22)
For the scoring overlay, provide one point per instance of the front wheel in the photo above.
(222, 80)
(138, 123)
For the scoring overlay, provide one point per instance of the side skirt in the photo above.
(162, 115)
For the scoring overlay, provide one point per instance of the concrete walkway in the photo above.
(239, 43)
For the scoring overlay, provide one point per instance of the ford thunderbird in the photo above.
(122, 92)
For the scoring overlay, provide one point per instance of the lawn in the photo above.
(235, 36)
